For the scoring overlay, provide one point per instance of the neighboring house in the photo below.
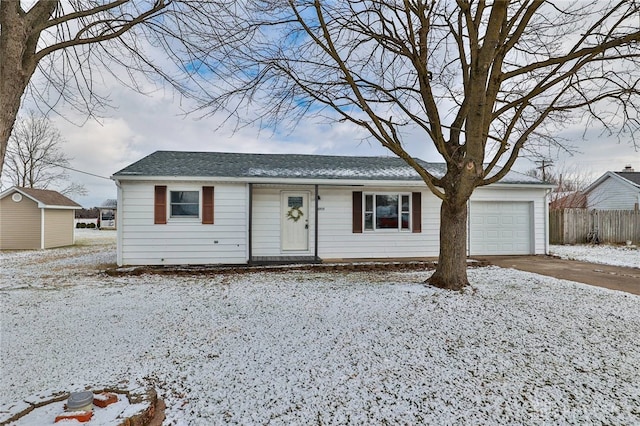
(227, 208)
(108, 213)
(615, 191)
(35, 219)
(567, 200)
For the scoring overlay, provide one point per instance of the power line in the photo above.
(76, 170)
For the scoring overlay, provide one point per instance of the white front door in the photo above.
(295, 221)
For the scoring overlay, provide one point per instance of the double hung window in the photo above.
(185, 203)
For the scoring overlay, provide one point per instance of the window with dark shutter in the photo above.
(160, 205)
(416, 212)
(207, 205)
(357, 212)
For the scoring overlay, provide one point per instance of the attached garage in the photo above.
(500, 228)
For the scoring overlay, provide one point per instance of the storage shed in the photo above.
(35, 219)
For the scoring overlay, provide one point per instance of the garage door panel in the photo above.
(498, 227)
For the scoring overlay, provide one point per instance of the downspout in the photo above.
(250, 225)
(119, 227)
(315, 231)
(546, 222)
(42, 246)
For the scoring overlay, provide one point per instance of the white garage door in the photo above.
(500, 228)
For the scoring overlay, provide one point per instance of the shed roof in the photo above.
(45, 197)
(285, 166)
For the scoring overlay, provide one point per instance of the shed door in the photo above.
(500, 228)
(295, 221)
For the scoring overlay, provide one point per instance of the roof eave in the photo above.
(307, 181)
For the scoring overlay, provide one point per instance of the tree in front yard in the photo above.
(481, 81)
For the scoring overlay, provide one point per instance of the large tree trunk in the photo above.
(10, 96)
(451, 272)
(18, 42)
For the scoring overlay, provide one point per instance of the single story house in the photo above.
(36, 219)
(230, 208)
(108, 212)
(615, 191)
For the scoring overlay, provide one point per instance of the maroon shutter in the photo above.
(357, 213)
(416, 212)
(207, 205)
(160, 205)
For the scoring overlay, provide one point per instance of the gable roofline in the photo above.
(287, 168)
(45, 198)
(615, 176)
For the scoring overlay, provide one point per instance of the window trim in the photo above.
(399, 211)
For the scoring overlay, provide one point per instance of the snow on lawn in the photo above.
(602, 254)
(324, 347)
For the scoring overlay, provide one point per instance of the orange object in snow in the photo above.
(81, 416)
(104, 399)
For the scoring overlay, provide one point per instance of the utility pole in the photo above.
(544, 163)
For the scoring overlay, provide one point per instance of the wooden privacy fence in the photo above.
(577, 226)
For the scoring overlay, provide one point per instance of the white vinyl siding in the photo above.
(186, 240)
(337, 241)
(613, 194)
(536, 227)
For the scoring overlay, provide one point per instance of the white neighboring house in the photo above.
(615, 191)
(230, 208)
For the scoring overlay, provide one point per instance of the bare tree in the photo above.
(68, 44)
(35, 158)
(481, 81)
(570, 181)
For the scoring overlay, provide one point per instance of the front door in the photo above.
(295, 221)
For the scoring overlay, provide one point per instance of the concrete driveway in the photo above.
(611, 277)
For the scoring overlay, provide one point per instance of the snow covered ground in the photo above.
(603, 254)
(318, 347)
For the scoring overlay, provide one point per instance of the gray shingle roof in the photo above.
(633, 177)
(285, 166)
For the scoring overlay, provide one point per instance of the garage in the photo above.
(500, 228)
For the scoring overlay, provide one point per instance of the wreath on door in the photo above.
(294, 214)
